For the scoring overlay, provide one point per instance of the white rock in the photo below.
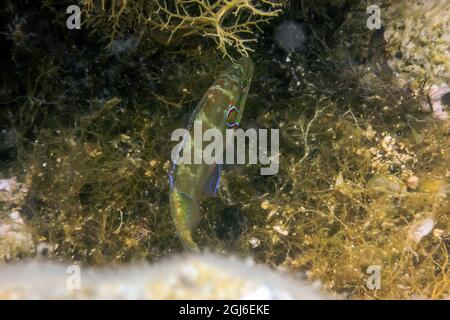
(254, 242)
(211, 277)
(8, 184)
(422, 228)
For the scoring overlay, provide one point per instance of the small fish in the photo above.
(221, 108)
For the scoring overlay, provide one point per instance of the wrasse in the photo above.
(221, 108)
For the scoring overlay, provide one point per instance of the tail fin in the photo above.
(186, 215)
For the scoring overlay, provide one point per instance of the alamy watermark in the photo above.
(373, 281)
(74, 20)
(73, 281)
(374, 20)
(221, 149)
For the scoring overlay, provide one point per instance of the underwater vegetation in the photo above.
(87, 117)
(418, 51)
(229, 23)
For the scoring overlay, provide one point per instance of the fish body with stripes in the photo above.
(221, 108)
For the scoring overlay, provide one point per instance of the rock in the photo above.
(418, 41)
(421, 229)
(436, 99)
(413, 182)
(15, 238)
(184, 277)
(11, 190)
(386, 183)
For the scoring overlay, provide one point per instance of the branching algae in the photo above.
(227, 22)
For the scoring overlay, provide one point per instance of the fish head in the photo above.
(242, 73)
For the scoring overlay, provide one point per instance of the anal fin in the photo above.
(212, 184)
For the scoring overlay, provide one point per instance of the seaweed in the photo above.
(226, 22)
(360, 167)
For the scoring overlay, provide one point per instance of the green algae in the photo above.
(98, 155)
